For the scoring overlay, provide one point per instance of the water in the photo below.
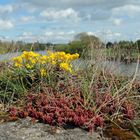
(119, 68)
(122, 68)
(116, 67)
(8, 56)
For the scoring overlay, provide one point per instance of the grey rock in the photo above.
(26, 130)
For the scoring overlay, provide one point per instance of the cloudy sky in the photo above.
(59, 20)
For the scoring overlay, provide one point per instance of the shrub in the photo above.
(69, 109)
(73, 47)
(32, 68)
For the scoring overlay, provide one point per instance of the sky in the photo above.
(58, 21)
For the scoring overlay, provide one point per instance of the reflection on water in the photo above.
(8, 56)
(122, 68)
(113, 66)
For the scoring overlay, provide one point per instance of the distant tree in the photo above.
(125, 44)
(109, 45)
(137, 44)
(76, 47)
(88, 40)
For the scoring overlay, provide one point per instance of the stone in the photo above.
(24, 129)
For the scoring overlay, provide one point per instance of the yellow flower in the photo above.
(43, 72)
(29, 55)
(49, 53)
(18, 65)
(43, 59)
(75, 56)
(30, 59)
(66, 67)
(53, 62)
(28, 66)
(33, 61)
(25, 55)
(17, 59)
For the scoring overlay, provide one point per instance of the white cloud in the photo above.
(49, 33)
(79, 3)
(27, 37)
(91, 33)
(52, 14)
(5, 24)
(129, 10)
(87, 9)
(117, 34)
(27, 33)
(4, 9)
(59, 33)
(117, 21)
(71, 32)
(47, 36)
(111, 34)
(26, 18)
(4, 38)
(58, 36)
(58, 17)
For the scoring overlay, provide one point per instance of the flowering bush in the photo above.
(31, 69)
(31, 60)
(35, 67)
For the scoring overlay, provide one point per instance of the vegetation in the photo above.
(32, 68)
(82, 44)
(19, 46)
(85, 45)
(48, 88)
(72, 47)
(51, 89)
(123, 50)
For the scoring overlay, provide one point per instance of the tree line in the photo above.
(82, 44)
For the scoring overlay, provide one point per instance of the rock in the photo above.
(26, 130)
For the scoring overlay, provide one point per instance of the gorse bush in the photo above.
(30, 69)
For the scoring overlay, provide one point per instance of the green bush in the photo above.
(73, 47)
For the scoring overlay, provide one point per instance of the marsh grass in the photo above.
(122, 89)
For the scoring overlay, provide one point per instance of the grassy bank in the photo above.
(48, 89)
